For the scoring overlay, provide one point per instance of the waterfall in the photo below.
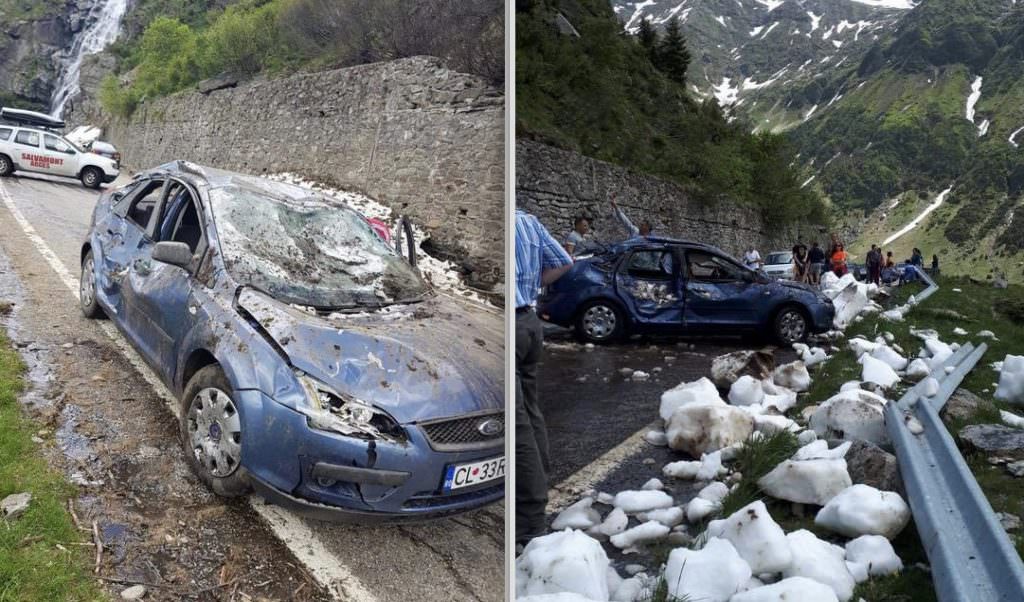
(103, 25)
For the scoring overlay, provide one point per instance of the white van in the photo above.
(26, 148)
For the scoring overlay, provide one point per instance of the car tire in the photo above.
(211, 433)
(87, 290)
(791, 325)
(600, 322)
(91, 177)
(6, 165)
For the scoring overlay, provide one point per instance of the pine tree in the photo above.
(672, 57)
(648, 37)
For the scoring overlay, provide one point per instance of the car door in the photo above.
(120, 234)
(60, 155)
(648, 283)
(719, 292)
(27, 146)
(163, 296)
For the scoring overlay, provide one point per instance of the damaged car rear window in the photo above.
(309, 251)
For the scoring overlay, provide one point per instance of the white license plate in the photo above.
(473, 473)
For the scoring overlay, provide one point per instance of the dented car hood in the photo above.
(438, 358)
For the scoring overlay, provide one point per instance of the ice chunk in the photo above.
(863, 510)
(959, 331)
(793, 589)
(615, 522)
(918, 369)
(861, 346)
(782, 401)
(939, 351)
(563, 561)
(793, 376)
(820, 561)
(701, 391)
(895, 314)
(656, 437)
(697, 429)
(986, 334)
(649, 531)
(630, 589)
(710, 466)
(770, 423)
(712, 574)
(1011, 380)
(806, 481)
(930, 387)
(578, 516)
(850, 385)
(714, 492)
(632, 502)
(878, 372)
(859, 570)
(852, 414)
(699, 508)
(1011, 419)
(653, 483)
(683, 469)
(889, 356)
(669, 517)
(875, 552)
(758, 539)
(746, 391)
(818, 449)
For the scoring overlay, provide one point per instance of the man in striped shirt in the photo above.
(540, 260)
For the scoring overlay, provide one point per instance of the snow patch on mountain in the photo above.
(983, 128)
(721, 20)
(1013, 136)
(725, 93)
(897, 4)
(917, 220)
(638, 13)
(815, 20)
(769, 30)
(973, 97)
(770, 4)
(808, 114)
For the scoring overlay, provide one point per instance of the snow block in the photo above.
(820, 561)
(712, 574)
(806, 481)
(564, 561)
(864, 510)
(794, 589)
(697, 429)
(758, 539)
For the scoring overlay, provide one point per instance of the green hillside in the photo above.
(601, 94)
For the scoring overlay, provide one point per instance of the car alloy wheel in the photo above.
(599, 322)
(90, 178)
(5, 165)
(215, 432)
(792, 326)
(86, 284)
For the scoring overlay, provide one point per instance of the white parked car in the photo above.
(26, 144)
(779, 265)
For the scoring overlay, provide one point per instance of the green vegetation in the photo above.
(179, 42)
(758, 457)
(16, 10)
(32, 567)
(608, 95)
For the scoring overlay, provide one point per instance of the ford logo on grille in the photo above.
(490, 427)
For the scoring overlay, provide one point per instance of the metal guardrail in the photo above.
(932, 287)
(971, 555)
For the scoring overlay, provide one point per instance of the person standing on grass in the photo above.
(817, 258)
(874, 261)
(540, 260)
(644, 229)
(576, 243)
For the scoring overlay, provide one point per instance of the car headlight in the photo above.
(328, 410)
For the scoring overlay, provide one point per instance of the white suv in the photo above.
(33, 149)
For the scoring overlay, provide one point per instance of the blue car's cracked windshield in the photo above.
(309, 251)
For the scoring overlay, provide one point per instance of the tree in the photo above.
(672, 57)
(648, 38)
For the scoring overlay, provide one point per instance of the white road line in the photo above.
(325, 567)
(584, 479)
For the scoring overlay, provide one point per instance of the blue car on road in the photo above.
(659, 285)
(312, 362)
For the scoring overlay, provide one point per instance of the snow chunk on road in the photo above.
(714, 492)
(615, 522)
(852, 414)
(793, 376)
(632, 502)
(890, 356)
(697, 429)
(864, 510)
(746, 391)
(578, 516)
(757, 538)
(1011, 380)
(711, 574)
(918, 369)
(656, 437)
(669, 517)
(878, 372)
(698, 392)
(699, 508)
(649, 531)
(876, 553)
(806, 481)
(793, 589)
(820, 561)
(683, 469)
(563, 561)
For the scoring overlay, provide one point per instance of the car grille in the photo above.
(462, 434)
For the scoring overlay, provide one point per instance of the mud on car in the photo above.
(666, 286)
(312, 362)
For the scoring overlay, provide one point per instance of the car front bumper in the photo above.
(332, 477)
(110, 177)
(822, 317)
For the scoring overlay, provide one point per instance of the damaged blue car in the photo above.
(666, 286)
(312, 362)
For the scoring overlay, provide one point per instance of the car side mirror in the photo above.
(173, 253)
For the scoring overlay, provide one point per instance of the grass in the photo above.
(32, 567)
(757, 458)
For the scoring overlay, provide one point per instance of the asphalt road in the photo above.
(112, 430)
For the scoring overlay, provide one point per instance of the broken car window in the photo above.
(651, 265)
(706, 267)
(309, 251)
(143, 204)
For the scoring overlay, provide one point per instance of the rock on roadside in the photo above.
(963, 404)
(994, 439)
(14, 505)
(871, 465)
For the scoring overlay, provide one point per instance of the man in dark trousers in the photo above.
(817, 258)
(540, 260)
(874, 261)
